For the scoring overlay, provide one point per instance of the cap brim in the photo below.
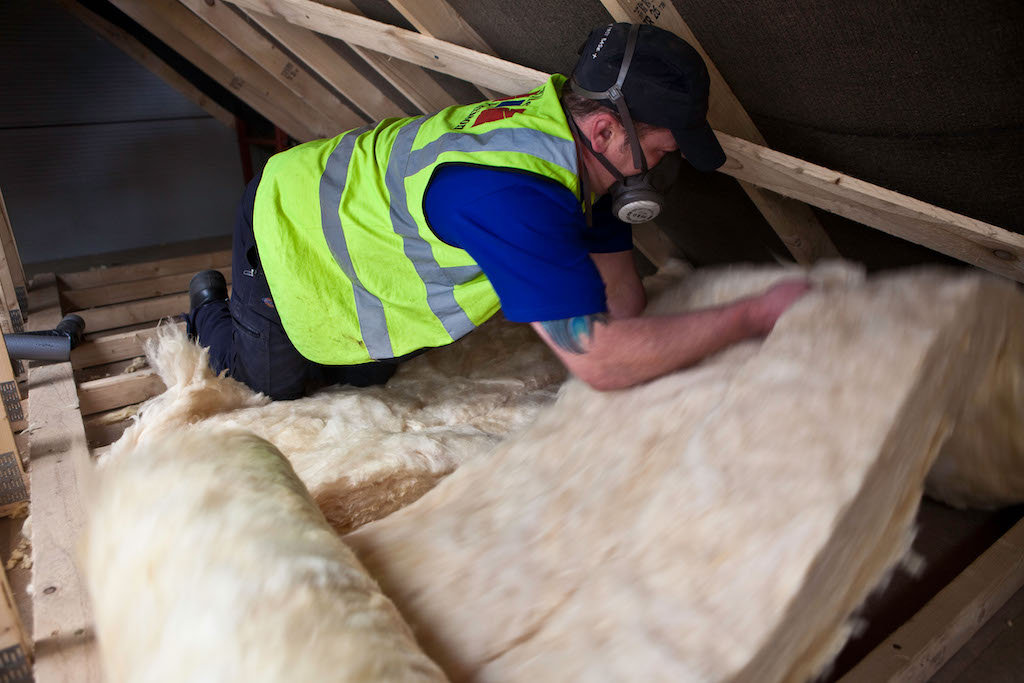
(700, 147)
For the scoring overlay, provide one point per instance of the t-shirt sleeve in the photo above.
(608, 234)
(528, 235)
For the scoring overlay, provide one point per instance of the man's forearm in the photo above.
(610, 353)
(618, 353)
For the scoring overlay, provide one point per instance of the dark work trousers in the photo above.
(246, 337)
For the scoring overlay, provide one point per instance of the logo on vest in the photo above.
(489, 112)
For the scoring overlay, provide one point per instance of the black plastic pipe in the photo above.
(47, 345)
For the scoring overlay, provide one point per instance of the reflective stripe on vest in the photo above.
(440, 298)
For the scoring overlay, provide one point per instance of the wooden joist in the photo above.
(78, 299)
(144, 56)
(112, 348)
(15, 643)
(920, 647)
(142, 271)
(118, 391)
(62, 617)
(132, 312)
(14, 483)
(261, 50)
(190, 37)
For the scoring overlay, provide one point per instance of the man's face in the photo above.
(655, 143)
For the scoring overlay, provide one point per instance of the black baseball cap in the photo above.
(666, 85)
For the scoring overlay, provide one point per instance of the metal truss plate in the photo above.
(11, 400)
(12, 484)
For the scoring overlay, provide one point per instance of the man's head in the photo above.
(665, 85)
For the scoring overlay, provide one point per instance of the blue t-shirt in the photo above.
(529, 235)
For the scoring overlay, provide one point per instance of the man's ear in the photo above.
(603, 129)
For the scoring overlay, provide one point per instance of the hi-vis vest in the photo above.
(355, 271)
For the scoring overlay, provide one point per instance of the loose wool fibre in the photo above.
(207, 561)
(717, 524)
(364, 452)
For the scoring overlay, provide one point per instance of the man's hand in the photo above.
(767, 308)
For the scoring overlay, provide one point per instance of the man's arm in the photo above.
(622, 286)
(614, 353)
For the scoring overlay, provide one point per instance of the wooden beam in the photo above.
(1000, 252)
(13, 409)
(78, 299)
(112, 348)
(62, 618)
(794, 223)
(986, 246)
(15, 645)
(144, 56)
(438, 19)
(261, 50)
(142, 271)
(412, 81)
(10, 250)
(921, 646)
(330, 66)
(116, 392)
(14, 481)
(190, 37)
(103, 429)
(10, 304)
(122, 315)
(417, 48)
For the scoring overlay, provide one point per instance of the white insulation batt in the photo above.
(364, 452)
(208, 561)
(718, 524)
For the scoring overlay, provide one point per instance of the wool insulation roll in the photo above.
(365, 452)
(207, 560)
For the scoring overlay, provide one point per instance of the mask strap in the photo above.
(584, 176)
(614, 94)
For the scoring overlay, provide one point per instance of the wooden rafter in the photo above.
(330, 66)
(144, 56)
(261, 50)
(987, 246)
(9, 247)
(470, 65)
(410, 80)
(919, 648)
(190, 37)
(794, 223)
(438, 19)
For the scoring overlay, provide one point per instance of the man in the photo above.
(355, 253)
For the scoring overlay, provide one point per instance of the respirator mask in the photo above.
(635, 198)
